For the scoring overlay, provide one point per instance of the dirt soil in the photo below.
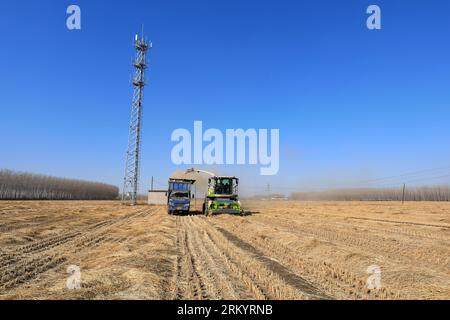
(280, 250)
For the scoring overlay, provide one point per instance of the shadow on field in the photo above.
(200, 213)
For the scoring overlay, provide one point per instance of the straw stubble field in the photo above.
(280, 250)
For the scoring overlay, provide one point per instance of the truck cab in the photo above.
(179, 196)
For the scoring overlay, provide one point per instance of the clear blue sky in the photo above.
(351, 104)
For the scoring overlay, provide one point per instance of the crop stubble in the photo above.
(281, 250)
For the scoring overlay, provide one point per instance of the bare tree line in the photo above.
(28, 186)
(432, 193)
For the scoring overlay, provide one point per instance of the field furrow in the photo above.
(280, 250)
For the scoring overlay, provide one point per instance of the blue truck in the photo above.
(179, 196)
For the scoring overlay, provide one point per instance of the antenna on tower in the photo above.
(132, 162)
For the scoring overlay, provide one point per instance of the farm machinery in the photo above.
(222, 194)
(179, 196)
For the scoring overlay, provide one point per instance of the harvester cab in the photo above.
(222, 196)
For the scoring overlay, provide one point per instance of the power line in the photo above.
(410, 177)
(429, 178)
(404, 175)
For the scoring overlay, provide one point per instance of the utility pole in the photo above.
(152, 184)
(132, 163)
(403, 195)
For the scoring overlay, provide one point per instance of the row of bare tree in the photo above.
(28, 186)
(434, 193)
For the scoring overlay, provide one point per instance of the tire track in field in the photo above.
(329, 278)
(215, 264)
(284, 273)
(189, 284)
(85, 234)
(203, 270)
(403, 222)
(426, 231)
(330, 281)
(29, 261)
(227, 285)
(391, 248)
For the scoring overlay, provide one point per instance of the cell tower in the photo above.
(132, 163)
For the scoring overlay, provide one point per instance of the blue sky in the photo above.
(351, 104)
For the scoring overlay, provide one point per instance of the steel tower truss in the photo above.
(132, 163)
